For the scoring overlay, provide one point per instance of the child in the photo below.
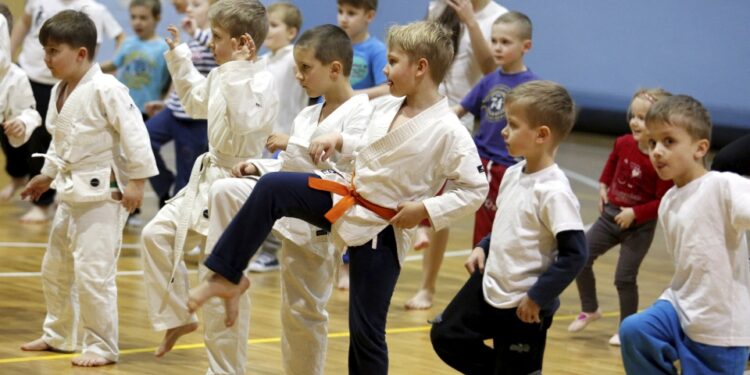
(99, 145)
(536, 248)
(511, 40)
(324, 58)
(239, 100)
(284, 22)
(413, 134)
(140, 62)
(18, 114)
(629, 195)
(169, 121)
(354, 16)
(701, 319)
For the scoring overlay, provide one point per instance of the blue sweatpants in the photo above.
(374, 269)
(653, 340)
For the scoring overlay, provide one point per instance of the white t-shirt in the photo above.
(31, 58)
(532, 209)
(292, 97)
(705, 224)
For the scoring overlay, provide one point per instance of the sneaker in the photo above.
(134, 221)
(615, 340)
(264, 262)
(583, 320)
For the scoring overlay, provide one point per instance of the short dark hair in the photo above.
(5, 11)
(545, 103)
(154, 5)
(290, 14)
(521, 21)
(330, 43)
(241, 16)
(682, 111)
(361, 4)
(70, 27)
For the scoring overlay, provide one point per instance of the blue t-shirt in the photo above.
(142, 68)
(485, 102)
(368, 64)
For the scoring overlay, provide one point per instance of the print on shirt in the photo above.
(138, 67)
(492, 104)
(624, 187)
(359, 70)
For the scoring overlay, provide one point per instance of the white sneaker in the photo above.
(615, 340)
(583, 320)
(264, 262)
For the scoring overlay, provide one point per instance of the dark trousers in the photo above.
(734, 157)
(19, 162)
(374, 270)
(190, 141)
(634, 244)
(458, 336)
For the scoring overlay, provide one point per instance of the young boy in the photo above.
(701, 319)
(239, 100)
(324, 57)
(412, 134)
(140, 62)
(99, 145)
(536, 248)
(354, 16)
(18, 115)
(511, 40)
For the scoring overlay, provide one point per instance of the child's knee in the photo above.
(630, 328)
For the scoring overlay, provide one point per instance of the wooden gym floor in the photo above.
(22, 302)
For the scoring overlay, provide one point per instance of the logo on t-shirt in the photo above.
(492, 104)
(359, 70)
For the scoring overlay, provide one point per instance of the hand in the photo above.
(528, 310)
(409, 214)
(475, 261)
(154, 107)
(189, 26)
(36, 187)
(277, 141)
(625, 218)
(133, 195)
(464, 10)
(321, 148)
(243, 49)
(603, 199)
(244, 168)
(174, 40)
(14, 128)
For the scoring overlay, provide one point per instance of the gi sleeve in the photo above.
(191, 86)
(252, 102)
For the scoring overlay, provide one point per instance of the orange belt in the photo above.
(350, 198)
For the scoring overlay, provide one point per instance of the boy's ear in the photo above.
(703, 146)
(82, 53)
(526, 45)
(543, 134)
(291, 33)
(423, 66)
(335, 69)
(369, 15)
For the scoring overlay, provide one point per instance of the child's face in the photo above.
(354, 20)
(312, 75)
(508, 48)
(674, 153)
(198, 11)
(638, 109)
(142, 21)
(221, 45)
(180, 6)
(63, 60)
(520, 137)
(400, 72)
(279, 34)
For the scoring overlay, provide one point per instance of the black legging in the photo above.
(734, 157)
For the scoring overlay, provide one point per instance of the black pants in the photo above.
(734, 157)
(19, 162)
(458, 336)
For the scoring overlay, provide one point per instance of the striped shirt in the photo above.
(204, 61)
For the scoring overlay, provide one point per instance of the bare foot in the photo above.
(36, 214)
(343, 277)
(423, 238)
(37, 345)
(16, 183)
(171, 337)
(218, 286)
(421, 301)
(90, 360)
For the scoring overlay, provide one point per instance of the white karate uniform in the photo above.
(16, 98)
(437, 146)
(292, 96)
(99, 132)
(240, 103)
(307, 259)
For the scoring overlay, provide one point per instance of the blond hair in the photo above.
(651, 95)
(521, 21)
(290, 14)
(424, 39)
(545, 103)
(682, 111)
(238, 17)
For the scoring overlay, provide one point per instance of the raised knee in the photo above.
(630, 328)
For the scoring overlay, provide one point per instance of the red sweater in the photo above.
(632, 181)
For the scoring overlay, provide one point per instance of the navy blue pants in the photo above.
(374, 270)
(190, 141)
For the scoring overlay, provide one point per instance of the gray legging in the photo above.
(634, 243)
